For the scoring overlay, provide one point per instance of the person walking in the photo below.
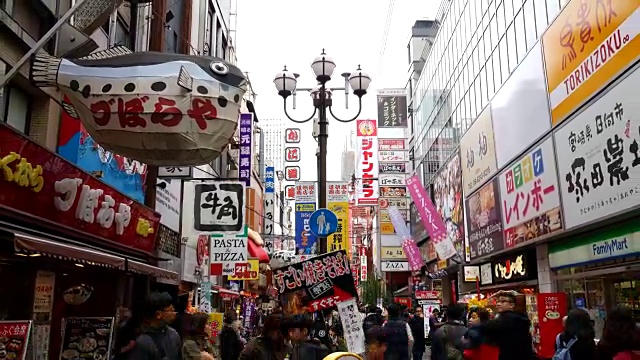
(577, 340)
(269, 345)
(376, 343)
(157, 340)
(230, 343)
(194, 344)
(417, 330)
(302, 348)
(398, 335)
(509, 331)
(621, 336)
(476, 344)
(447, 342)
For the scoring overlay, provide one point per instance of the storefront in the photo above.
(600, 270)
(517, 271)
(70, 245)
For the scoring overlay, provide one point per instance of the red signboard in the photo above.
(552, 307)
(405, 301)
(39, 183)
(14, 338)
(428, 295)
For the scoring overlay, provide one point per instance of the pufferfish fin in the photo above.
(185, 80)
(109, 53)
(43, 70)
(70, 109)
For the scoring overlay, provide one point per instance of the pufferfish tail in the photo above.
(43, 70)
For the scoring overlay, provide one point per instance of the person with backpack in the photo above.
(621, 336)
(447, 343)
(157, 340)
(577, 339)
(398, 335)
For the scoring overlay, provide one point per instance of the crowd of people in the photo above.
(460, 334)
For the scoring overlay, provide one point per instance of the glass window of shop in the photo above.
(14, 105)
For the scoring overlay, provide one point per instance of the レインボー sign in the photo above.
(37, 182)
(325, 280)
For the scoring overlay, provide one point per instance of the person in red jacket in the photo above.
(476, 341)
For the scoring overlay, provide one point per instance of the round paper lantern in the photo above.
(158, 108)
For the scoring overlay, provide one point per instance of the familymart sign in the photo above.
(606, 245)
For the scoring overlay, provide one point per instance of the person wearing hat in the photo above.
(302, 348)
(269, 344)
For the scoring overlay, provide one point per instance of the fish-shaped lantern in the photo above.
(161, 109)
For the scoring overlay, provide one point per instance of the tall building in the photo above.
(273, 130)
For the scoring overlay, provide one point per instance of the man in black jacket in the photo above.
(158, 341)
(417, 329)
(510, 330)
(447, 341)
(230, 344)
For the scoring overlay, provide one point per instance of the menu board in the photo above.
(14, 339)
(352, 325)
(86, 338)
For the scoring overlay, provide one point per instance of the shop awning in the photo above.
(227, 293)
(155, 271)
(32, 244)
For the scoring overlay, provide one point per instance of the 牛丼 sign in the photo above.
(219, 207)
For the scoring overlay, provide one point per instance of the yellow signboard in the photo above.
(386, 228)
(215, 319)
(392, 253)
(441, 264)
(247, 272)
(339, 239)
(589, 44)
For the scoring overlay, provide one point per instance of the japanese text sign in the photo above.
(484, 222)
(391, 144)
(246, 271)
(515, 267)
(599, 156)
(478, 151)
(174, 171)
(246, 147)
(392, 253)
(340, 239)
(292, 136)
(392, 168)
(392, 108)
(351, 320)
(400, 203)
(226, 251)
(325, 279)
(392, 179)
(431, 219)
(447, 197)
(219, 207)
(552, 308)
(17, 335)
(393, 191)
(292, 154)
(306, 241)
(530, 197)
(37, 182)
(292, 173)
(408, 244)
(305, 192)
(390, 156)
(269, 179)
(269, 210)
(367, 162)
(290, 192)
(337, 191)
(589, 44)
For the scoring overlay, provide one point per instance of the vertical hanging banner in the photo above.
(269, 198)
(392, 108)
(305, 196)
(431, 219)
(409, 246)
(338, 203)
(367, 167)
(246, 134)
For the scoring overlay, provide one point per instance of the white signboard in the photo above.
(168, 199)
(471, 273)
(351, 320)
(305, 192)
(174, 171)
(227, 250)
(478, 152)
(392, 266)
(219, 207)
(392, 179)
(367, 163)
(269, 213)
(394, 155)
(486, 274)
(529, 197)
(599, 156)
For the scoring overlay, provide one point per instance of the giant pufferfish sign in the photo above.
(159, 108)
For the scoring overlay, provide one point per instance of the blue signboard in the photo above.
(306, 241)
(323, 222)
(269, 180)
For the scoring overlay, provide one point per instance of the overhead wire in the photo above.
(385, 36)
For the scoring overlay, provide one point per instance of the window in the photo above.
(502, 24)
(511, 43)
(541, 16)
(521, 43)
(210, 32)
(553, 8)
(529, 24)
(504, 59)
(16, 111)
(122, 37)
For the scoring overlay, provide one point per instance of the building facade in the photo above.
(274, 142)
(503, 107)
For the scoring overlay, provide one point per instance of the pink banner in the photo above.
(431, 220)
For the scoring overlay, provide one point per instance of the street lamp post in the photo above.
(323, 67)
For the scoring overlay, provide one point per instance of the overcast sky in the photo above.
(273, 33)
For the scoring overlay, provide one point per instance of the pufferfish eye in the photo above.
(219, 68)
